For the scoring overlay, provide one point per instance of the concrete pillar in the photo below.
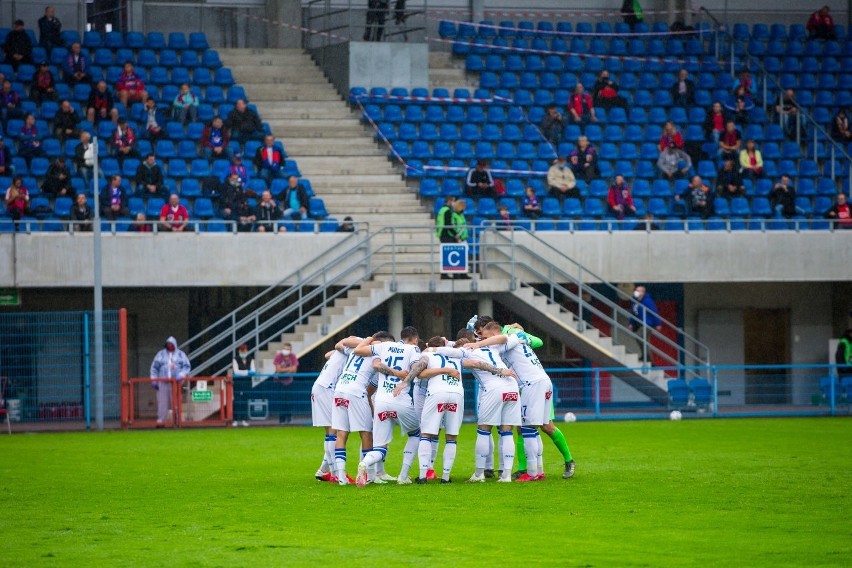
(486, 305)
(395, 316)
(289, 11)
(477, 10)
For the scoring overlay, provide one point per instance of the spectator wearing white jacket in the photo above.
(169, 364)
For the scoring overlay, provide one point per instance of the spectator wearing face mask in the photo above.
(286, 363)
(170, 364)
(243, 369)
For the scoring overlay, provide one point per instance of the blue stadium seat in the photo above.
(153, 207)
(593, 208)
(155, 40)
(210, 59)
(678, 389)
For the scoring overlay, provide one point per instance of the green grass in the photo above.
(726, 492)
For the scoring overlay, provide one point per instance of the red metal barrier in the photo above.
(192, 405)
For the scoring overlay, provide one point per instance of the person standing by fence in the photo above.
(170, 363)
(645, 314)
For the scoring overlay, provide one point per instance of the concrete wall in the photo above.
(388, 64)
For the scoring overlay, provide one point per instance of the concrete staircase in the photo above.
(347, 169)
(445, 72)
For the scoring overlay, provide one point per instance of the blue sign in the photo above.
(453, 258)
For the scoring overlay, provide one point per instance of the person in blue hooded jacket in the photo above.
(645, 313)
(170, 363)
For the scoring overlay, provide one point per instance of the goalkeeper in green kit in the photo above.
(476, 323)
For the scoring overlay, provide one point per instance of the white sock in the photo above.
(375, 456)
(531, 450)
(340, 462)
(371, 469)
(424, 453)
(489, 458)
(434, 453)
(483, 441)
(449, 458)
(408, 454)
(540, 453)
(507, 453)
(328, 457)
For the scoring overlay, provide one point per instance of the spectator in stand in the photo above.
(76, 66)
(238, 168)
(741, 111)
(140, 224)
(730, 142)
(821, 25)
(50, 30)
(267, 214)
(130, 87)
(744, 85)
(479, 182)
(230, 196)
(43, 86)
(174, 217)
(17, 200)
(532, 206)
(782, 198)
(377, 11)
(244, 216)
(632, 13)
(581, 107)
(451, 227)
(347, 226)
(101, 105)
(840, 127)
(683, 90)
(214, 139)
(840, 213)
(65, 122)
(269, 159)
(294, 200)
(244, 124)
(671, 137)
(789, 113)
(114, 200)
(185, 105)
(504, 219)
(124, 141)
(11, 103)
(149, 179)
(619, 199)
(84, 157)
(29, 140)
(751, 161)
(18, 46)
(561, 180)
(154, 121)
(673, 162)
(605, 92)
(647, 224)
(81, 213)
(645, 314)
(57, 180)
(729, 182)
(6, 167)
(286, 363)
(584, 160)
(695, 200)
(714, 124)
(553, 124)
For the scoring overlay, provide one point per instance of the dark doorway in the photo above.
(766, 334)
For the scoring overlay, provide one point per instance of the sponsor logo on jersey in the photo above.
(448, 407)
(510, 397)
(547, 395)
(387, 414)
(344, 402)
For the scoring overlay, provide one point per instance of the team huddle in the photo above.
(369, 385)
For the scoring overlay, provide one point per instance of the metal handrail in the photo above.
(801, 111)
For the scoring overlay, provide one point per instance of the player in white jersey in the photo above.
(353, 409)
(392, 361)
(498, 405)
(443, 407)
(322, 401)
(536, 391)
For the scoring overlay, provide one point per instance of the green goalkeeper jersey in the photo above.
(535, 342)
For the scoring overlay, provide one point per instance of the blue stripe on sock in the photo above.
(425, 439)
(415, 433)
(483, 432)
(450, 442)
(506, 433)
(340, 454)
(383, 451)
(330, 438)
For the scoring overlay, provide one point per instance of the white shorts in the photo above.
(535, 402)
(351, 413)
(390, 413)
(442, 410)
(499, 408)
(321, 403)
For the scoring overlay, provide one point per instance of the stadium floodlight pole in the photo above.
(99, 296)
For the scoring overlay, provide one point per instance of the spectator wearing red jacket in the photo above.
(840, 213)
(44, 86)
(671, 137)
(124, 141)
(270, 159)
(173, 216)
(130, 86)
(821, 25)
(580, 106)
(714, 124)
(620, 200)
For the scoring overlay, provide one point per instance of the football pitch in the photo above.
(752, 492)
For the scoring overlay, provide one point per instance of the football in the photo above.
(570, 417)
(675, 415)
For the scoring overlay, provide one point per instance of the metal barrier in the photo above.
(193, 402)
(194, 226)
(48, 358)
